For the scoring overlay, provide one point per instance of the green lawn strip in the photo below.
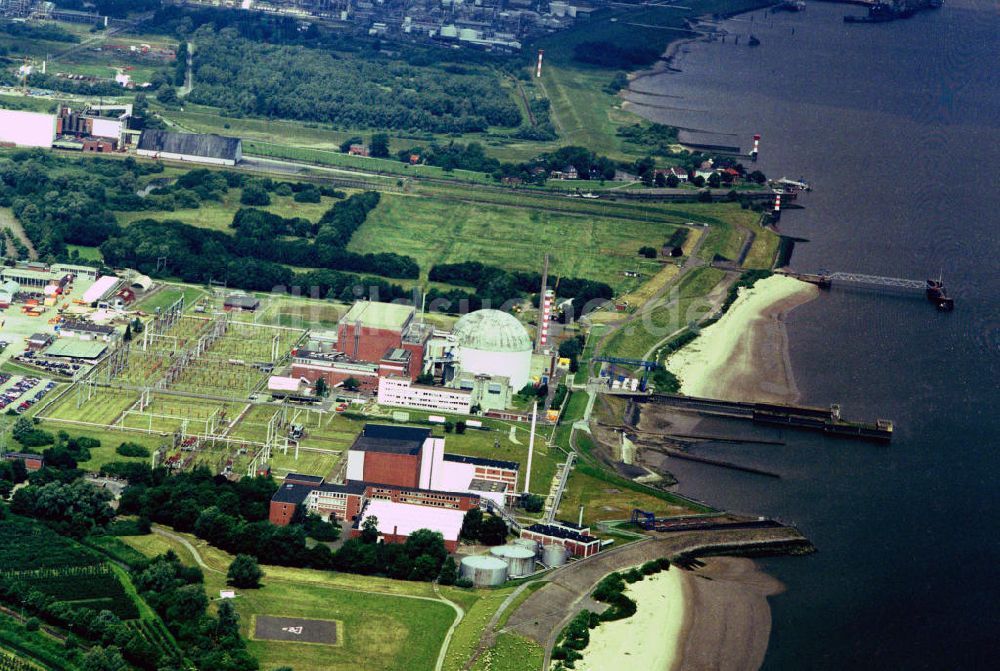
(511, 652)
(113, 548)
(470, 630)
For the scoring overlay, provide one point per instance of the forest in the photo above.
(246, 78)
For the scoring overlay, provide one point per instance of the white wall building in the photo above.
(401, 392)
(27, 129)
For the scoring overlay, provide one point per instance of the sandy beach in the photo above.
(650, 639)
(727, 621)
(744, 356)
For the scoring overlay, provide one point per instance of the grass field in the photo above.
(434, 231)
(169, 294)
(384, 627)
(218, 216)
(686, 302)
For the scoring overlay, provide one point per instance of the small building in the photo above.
(87, 331)
(576, 539)
(194, 147)
(73, 348)
(288, 387)
(39, 341)
(104, 286)
(241, 302)
(358, 150)
(32, 462)
(569, 172)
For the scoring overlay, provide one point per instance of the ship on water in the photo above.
(890, 10)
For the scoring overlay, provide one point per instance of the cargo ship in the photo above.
(937, 295)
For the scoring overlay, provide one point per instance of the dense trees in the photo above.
(452, 156)
(73, 509)
(294, 82)
(244, 572)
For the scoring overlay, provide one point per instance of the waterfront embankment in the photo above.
(744, 355)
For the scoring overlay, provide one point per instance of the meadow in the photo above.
(516, 238)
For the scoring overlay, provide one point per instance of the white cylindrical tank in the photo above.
(492, 342)
(484, 571)
(528, 543)
(520, 560)
(553, 555)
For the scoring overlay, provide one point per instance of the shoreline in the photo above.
(744, 356)
(727, 617)
(661, 613)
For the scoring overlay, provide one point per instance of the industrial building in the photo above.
(241, 303)
(395, 391)
(193, 147)
(27, 129)
(408, 468)
(493, 343)
(575, 539)
(373, 340)
(33, 278)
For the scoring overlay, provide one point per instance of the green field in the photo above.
(218, 216)
(516, 238)
(684, 303)
(385, 627)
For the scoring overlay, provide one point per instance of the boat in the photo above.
(753, 41)
(790, 6)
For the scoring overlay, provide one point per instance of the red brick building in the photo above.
(32, 462)
(576, 539)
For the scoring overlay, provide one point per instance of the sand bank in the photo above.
(650, 639)
(744, 356)
(728, 620)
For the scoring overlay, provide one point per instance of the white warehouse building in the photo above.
(27, 129)
(494, 343)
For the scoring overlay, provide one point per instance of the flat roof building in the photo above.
(194, 147)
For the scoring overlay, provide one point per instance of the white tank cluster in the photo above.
(484, 570)
(520, 560)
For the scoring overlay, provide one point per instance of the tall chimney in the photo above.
(542, 333)
(538, 70)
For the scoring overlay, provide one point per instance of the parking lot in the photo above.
(19, 393)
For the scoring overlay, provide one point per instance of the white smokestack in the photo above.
(531, 448)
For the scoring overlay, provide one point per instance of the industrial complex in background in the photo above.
(111, 128)
(402, 480)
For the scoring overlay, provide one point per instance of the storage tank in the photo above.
(484, 571)
(520, 560)
(528, 543)
(553, 555)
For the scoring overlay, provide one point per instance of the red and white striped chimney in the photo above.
(538, 70)
(777, 203)
(756, 146)
(547, 301)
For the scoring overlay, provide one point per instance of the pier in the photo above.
(934, 290)
(824, 420)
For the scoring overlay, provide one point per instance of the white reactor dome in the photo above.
(492, 342)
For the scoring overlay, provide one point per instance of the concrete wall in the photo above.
(27, 129)
(186, 157)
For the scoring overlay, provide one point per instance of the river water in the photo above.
(897, 126)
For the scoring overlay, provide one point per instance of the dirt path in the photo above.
(9, 221)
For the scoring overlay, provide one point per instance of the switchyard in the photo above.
(194, 380)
